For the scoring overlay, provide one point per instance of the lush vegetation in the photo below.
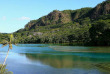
(89, 26)
(100, 31)
(6, 42)
(54, 34)
(4, 71)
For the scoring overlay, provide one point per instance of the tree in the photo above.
(100, 33)
(5, 43)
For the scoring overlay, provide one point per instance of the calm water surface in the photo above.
(55, 59)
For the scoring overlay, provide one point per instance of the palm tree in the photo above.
(5, 43)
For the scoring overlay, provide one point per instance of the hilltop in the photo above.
(69, 26)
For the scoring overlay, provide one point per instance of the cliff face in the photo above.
(55, 17)
(100, 9)
(67, 16)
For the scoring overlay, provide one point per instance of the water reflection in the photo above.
(81, 49)
(37, 58)
(67, 61)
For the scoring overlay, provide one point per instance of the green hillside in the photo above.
(89, 26)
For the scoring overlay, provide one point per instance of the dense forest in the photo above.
(89, 26)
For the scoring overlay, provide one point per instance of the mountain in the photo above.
(67, 16)
(69, 26)
(101, 9)
(57, 17)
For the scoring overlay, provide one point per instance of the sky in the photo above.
(15, 14)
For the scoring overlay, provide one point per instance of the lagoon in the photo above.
(56, 59)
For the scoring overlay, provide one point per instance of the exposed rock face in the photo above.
(55, 17)
(66, 16)
(30, 24)
(101, 9)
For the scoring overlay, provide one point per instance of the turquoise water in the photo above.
(56, 59)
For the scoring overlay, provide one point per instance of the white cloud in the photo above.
(24, 18)
(4, 18)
